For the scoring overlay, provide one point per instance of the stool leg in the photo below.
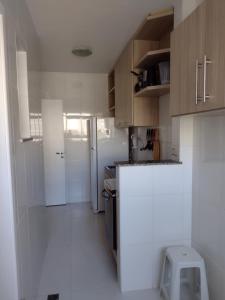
(163, 272)
(175, 284)
(162, 277)
(204, 285)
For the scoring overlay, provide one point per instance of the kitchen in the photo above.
(115, 150)
(122, 146)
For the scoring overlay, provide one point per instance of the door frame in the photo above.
(92, 124)
(8, 259)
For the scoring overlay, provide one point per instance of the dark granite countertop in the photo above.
(148, 162)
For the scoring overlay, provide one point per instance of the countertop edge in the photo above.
(147, 164)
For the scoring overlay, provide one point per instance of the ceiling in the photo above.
(103, 25)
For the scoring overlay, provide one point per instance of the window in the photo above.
(35, 126)
(75, 126)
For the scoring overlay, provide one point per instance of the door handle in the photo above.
(206, 63)
(197, 67)
(61, 154)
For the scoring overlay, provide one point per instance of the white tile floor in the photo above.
(78, 264)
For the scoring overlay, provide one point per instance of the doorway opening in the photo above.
(66, 155)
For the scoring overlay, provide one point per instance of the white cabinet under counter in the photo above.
(153, 212)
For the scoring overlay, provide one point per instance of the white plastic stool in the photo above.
(179, 261)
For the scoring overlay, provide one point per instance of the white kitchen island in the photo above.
(153, 212)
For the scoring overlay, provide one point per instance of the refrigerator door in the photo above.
(112, 146)
(92, 127)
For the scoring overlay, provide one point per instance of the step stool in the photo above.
(183, 270)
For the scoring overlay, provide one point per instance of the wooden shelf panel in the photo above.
(156, 26)
(154, 91)
(153, 57)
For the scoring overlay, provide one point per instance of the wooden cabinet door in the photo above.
(192, 65)
(175, 76)
(118, 95)
(215, 53)
(124, 88)
(187, 48)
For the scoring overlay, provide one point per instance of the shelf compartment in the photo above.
(153, 57)
(154, 91)
(156, 26)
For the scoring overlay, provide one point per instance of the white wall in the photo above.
(209, 198)
(29, 211)
(8, 267)
(165, 122)
(83, 95)
(153, 213)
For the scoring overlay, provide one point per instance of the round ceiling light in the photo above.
(82, 52)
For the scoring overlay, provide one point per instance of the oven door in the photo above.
(110, 219)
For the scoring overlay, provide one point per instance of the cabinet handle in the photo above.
(197, 66)
(206, 63)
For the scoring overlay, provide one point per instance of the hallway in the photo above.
(78, 265)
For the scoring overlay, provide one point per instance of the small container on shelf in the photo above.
(164, 72)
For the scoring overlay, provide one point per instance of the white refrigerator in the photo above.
(107, 144)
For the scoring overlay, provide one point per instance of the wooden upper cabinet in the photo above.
(187, 44)
(175, 70)
(198, 61)
(123, 88)
(138, 105)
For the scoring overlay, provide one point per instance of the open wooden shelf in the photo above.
(153, 57)
(154, 91)
(156, 26)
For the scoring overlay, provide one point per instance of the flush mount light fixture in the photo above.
(82, 52)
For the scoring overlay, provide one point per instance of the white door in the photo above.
(53, 142)
(93, 163)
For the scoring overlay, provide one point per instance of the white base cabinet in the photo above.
(154, 212)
